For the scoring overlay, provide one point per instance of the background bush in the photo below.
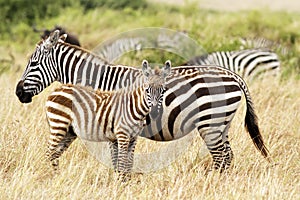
(32, 11)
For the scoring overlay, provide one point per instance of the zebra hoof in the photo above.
(124, 177)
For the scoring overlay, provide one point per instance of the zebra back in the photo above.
(248, 63)
(263, 43)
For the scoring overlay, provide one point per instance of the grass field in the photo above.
(24, 131)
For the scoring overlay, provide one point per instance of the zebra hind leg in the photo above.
(114, 153)
(57, 144)
(219, 147)
(222, 156)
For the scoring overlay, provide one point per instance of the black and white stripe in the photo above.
(197, 97)
(248, 63)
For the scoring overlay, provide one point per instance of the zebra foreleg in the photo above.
(122, 165)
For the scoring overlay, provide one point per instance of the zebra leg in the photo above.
(131, 148)
(219, 147)
(114, 153)
(123, 140)
(57, 144)
(228, 151)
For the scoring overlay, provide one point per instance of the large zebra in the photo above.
(204, 98)
(113, 116)
(248, 63)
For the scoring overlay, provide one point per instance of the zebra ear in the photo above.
(63, 37)
(146, 68)
(167, 69)
(51, 41)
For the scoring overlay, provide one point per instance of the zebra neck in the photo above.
(76, 65)
(145, 106)
(136, 101)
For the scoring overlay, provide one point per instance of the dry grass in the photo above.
(26, 175)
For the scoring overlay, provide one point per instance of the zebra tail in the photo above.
(251, 125)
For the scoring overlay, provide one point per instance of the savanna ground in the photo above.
(24, 131)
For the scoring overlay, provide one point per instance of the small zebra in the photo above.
(249, 63)
(202, 98)
(113, 116)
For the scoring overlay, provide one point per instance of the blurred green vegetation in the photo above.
(95, 21)
(32, 11)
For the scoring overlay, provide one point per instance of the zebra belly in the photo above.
(91, 131)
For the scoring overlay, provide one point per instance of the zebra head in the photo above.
(41, 70)
(155, 86)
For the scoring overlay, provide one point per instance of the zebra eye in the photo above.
(34, 63)
(46, 52)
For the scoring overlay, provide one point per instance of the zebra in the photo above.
(202, 98)
(176, 42)
(113, 116)
(248, 63)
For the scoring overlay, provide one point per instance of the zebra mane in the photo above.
(83, 50)
(61, 42)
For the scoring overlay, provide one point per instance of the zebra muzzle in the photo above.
(154, 112)
(24, 97)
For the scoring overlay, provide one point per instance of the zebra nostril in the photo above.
(20, 89)
(19, 92)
